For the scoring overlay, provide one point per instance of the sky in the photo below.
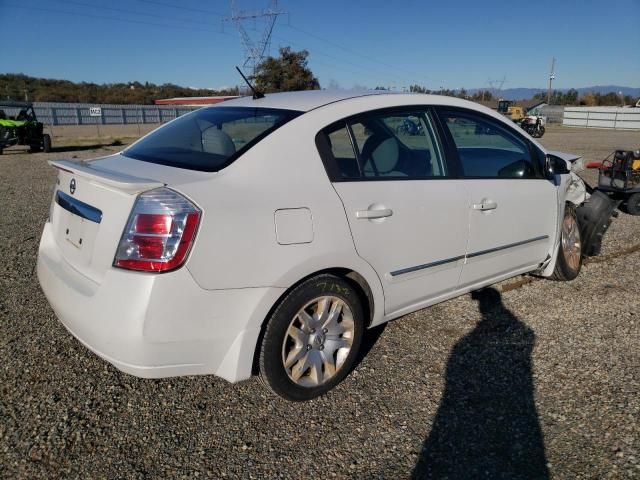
(444, 44)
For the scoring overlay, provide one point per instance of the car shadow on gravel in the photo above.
(487, 424)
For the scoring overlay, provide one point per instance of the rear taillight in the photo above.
(159, 233)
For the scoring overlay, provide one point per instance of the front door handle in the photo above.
(369, 214)
(485, 205)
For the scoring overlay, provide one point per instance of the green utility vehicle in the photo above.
(22, 128)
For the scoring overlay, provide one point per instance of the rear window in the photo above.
(209, 139)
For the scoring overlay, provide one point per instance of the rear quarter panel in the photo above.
(237, 245)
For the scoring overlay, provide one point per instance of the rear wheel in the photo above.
(312, 339)
(569, 261)
(46, 143)
(633, 204)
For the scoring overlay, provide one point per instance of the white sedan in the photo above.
(266, 235)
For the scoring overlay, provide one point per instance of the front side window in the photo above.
(208, 139)
(386, 145)
(487, 149)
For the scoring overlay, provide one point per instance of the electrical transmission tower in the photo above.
(499, 83)
(255, 49)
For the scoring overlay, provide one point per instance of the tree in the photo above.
(286, 73)
(482, 95)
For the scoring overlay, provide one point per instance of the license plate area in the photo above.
(75, 236)
(74, 229)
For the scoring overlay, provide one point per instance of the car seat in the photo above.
(381, 155)
(217, 142)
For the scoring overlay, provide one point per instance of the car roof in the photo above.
(304, 101)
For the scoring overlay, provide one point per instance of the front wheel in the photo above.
(569, 261)
(312, 339)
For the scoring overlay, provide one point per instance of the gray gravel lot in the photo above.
(548, 373)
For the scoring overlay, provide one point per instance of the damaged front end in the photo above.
(595, 209)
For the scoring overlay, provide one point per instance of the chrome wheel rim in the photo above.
(571, 245)
(318, 341)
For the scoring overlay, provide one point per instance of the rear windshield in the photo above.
(209, 139)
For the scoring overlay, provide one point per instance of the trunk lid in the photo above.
(91, 205)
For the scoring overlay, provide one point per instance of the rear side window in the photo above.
(209, 139)
(487, 149)
(343, 152)
(384, 145)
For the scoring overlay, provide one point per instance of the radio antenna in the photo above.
(256, 94)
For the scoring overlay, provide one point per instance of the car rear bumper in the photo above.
(156, 325)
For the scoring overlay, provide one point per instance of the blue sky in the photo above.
(452, 44)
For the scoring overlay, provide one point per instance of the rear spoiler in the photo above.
(120, 181)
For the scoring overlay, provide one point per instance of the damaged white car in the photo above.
(267, 234)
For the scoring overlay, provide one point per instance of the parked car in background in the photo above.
(267, 235)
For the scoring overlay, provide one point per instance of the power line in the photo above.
(348, 62)
(182, 7)
(318, 52)
(116, 19)
(348, 50)
(131, 12)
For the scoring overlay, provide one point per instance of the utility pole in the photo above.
(552, 77)
(255, 50)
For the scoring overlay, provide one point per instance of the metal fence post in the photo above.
(77, 116)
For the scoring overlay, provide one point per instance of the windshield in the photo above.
(209, 139)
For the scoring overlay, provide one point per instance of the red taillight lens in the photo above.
(153, 223)
(160, 232)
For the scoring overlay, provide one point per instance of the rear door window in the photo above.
(385, 145)
(208, 139)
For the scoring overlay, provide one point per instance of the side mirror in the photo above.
(555, 166)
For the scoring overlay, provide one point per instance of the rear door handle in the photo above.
(485, 205)
(382, 213)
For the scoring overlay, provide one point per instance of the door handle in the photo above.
(485, 205)
(369, 214)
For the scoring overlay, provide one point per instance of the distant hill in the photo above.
(23, 87)
(17, 86)
(524, 93)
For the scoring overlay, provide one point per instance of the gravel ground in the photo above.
(532, 382)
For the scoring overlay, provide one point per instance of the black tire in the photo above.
(633, 204)
(46, 143)
(541, 132)
(1, 151)
(271, 360)
(566, 268)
